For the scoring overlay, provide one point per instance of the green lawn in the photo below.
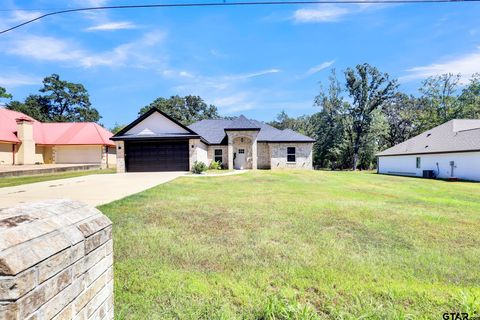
(15, 181)
(297, 245)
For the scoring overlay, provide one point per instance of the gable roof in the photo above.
(213, 131)
(124, 133)
(452, 136)
(241, 123)
(54, 133)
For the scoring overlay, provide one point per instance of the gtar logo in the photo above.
(459, 316)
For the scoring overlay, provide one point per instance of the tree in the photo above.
(439, 100)
(301, 124)
(187, 110)
(62, 101)
(68, 101)
(329, 125)
(4, 94)
(369, 90)
(117, 127)
(469, 99)
(35, 106)
(401, 115)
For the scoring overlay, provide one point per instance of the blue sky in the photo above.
(255, 61)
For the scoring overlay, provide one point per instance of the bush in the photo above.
(215, 165)
(199, 167)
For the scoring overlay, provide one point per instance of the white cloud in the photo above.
(170, 73)
(101, 18)
(53, 49)
(17, 16)
(244, 76)
(16, 80)
(466, 65)
(22, 16)
(44, 48)
(112, 26)
(231, 93)
(320, 67)
(333, 12)
(322, 13)
(218, 54)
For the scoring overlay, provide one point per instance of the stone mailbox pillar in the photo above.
(56, 262)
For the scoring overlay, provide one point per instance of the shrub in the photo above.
(199, 167)
(215, 165)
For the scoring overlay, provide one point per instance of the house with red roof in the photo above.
(24, 140)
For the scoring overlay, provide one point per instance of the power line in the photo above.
(221, 4)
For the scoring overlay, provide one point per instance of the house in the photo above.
(451, 150)
(156, 142)
(24, 140)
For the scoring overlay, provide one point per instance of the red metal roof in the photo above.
(59, 133)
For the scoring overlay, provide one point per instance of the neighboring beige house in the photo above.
(156, 142)
(24, 140)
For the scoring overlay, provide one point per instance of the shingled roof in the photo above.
(54, 133)
(241, 123)
(452, 136)
(213, 131)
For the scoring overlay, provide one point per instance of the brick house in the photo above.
(156, 142)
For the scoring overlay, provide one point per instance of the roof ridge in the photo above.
(95, 125)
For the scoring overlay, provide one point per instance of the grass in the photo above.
(16, 181)
(297, 245)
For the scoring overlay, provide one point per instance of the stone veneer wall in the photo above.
(211, 154)
(56, 262)
(304, 158)
(120, 145)
(263, 150)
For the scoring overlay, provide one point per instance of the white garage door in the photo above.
(78, 154)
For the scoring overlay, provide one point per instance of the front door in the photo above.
(240, 159)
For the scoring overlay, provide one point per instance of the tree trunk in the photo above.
(356, 148)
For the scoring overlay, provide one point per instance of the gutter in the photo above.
(433, 152)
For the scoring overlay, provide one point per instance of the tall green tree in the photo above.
(35, 106)
(401, 117)
(369, 90)
(301, 124)
(469, 99)
(439, 100)
(329, 124)
(61, 101)
(187, 110)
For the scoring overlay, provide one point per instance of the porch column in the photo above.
(254, 155)
(230, 154)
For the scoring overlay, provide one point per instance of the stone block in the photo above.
(60, 261)
(97, 239)
(12, 288)
(54, 256)
(40, 295)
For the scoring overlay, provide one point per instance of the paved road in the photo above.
(94, 189)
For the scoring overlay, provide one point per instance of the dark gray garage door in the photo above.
(148, 156)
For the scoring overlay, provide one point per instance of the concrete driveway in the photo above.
(94, 189)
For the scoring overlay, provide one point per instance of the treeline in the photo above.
(364, 112)
(359, 114)
(58, 101)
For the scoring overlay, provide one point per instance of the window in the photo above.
(419, 162)
(291, 157)
(241, 150)
(218, 155)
